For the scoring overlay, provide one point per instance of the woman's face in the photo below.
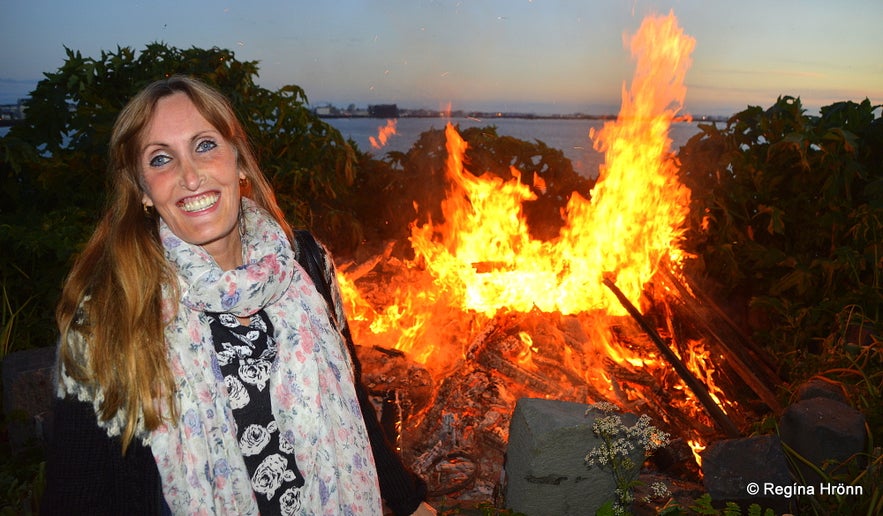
(190, 176)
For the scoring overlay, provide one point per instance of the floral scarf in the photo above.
(312, 393)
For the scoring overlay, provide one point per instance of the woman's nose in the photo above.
(191, 179)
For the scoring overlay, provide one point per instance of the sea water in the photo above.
(571, 136)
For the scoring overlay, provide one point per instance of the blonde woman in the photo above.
(199, 369)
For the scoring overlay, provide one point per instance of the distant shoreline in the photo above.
(481, 116)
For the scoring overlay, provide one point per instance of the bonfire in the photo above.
(485, 314)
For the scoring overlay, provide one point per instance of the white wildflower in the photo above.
(617, 447)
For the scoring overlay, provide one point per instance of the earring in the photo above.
(148, 210)
(243, 182)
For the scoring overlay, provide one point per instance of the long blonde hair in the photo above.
(114, 292)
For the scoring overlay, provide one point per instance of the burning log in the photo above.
(743, 356)
(539, 382)
(496, 348)
(693, 383)
(656, 398)
(354, 272)
(459, 444)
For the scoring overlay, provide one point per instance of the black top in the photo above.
(86, 472)
(245, 355)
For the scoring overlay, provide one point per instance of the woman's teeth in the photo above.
(200, 203)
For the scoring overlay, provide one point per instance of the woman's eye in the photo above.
(159, 160)
(205, 145)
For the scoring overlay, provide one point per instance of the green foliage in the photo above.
(606, 509)
(9, 317)
(704, 506)
(862, 471)
(787, 219)
(52, 168)
(22, 480)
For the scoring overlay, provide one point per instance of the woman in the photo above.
(199, 370)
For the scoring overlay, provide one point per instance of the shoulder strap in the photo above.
(311, 257)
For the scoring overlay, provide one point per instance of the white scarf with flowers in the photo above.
(312, 393)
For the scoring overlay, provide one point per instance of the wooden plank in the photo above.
(752, 369)
(694, 384)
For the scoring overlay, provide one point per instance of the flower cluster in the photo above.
(619, 443)
(659, 490)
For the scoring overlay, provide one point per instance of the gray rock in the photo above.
(822, 430)
(732, 467)
(820, 388)
(545, 470)
(27, 395)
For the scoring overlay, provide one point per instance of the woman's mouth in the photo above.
(199, 202)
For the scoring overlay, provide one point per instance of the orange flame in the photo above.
(484, 253)
(383, 134)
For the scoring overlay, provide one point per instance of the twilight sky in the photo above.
(541, 56)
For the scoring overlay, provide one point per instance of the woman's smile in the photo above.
(201, 202)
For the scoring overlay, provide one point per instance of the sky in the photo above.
(539, 56)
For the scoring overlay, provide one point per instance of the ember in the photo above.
(487, 314)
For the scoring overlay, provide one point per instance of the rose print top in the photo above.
(245, 355)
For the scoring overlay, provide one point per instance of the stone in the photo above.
(545, 469)
(819, 387)
(732, 467)
(27, 395)
(825, 432)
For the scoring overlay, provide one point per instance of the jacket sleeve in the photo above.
(401, 489)
(86, 472)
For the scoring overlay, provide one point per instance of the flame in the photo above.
(697, 448)
(525, 354)
(483, 250)
(482, 260)
(383, 134)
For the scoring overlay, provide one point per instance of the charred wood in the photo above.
(693, 383)
(750, 363)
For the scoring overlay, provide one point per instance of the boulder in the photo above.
(545, 468)
(738, 470)
(819, 387)
(823, 431)
(27, 395)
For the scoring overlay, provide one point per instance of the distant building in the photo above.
(383, 111)
(12, 113)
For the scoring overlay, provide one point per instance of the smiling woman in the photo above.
(200, 369)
